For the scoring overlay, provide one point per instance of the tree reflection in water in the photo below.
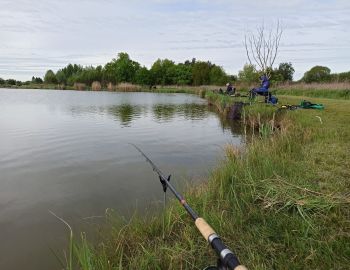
(166, 112)
(126, 113)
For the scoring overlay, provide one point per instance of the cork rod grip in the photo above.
(204, 228)
(206, 231)
(241, 267)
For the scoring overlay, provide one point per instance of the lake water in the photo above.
(69, 152)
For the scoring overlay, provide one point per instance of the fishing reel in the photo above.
(219, 266)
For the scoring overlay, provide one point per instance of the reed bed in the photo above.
(128, 87)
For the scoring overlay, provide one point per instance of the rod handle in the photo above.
(204, 228)
(206, 231)
(241, 267)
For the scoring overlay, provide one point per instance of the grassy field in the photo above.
(325, 93)
(321, 90)
(281, 203)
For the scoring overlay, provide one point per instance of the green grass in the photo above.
(334, 90)
(324, 93)
(280, 203)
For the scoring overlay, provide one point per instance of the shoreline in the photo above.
(340, 91)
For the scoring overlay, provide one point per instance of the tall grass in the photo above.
(128, 87)
(321, 90)
(315, 86)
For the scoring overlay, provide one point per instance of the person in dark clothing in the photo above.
(230, 90)
(263, 90)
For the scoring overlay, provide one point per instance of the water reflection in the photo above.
(164, 111)
(194, 111)
(191, 111)
(126, 113)
(77, 111)
(235, 127)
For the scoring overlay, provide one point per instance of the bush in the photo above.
(11, 82)
(79, 86)
(317, 74)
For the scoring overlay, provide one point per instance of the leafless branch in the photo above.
(262, 48)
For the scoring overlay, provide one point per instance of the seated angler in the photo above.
(263, 90)
(230, 90)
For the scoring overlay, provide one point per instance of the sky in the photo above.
(39, 35)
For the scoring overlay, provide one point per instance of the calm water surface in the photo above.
(69, 152)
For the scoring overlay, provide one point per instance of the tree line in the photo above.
(125, 70)
(166, 72)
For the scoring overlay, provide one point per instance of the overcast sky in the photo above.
(45, 34)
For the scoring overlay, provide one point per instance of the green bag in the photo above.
(308, 105)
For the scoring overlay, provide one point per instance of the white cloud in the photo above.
(36, 36)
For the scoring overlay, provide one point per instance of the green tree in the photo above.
(37, 80)
(122, 69)
(126, 68)
(283, 73)
(68, 74)
(61, 77)
(344, 76)
(143, 76)
(88, 75)
(2, 81)
(11, 82)
(163, 72)
(276, 77)
(201, 73)
(183, 74)
(50, 77)
(73, 79)
(334, 77)
(109, 73)
(248, 74)
(317, 74)
(218, 76)
(286, 70)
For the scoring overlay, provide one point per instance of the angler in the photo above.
(227, 259)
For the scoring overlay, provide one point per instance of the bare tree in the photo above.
(262, 47)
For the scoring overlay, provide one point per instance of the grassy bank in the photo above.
(280, 203)
(320, 90)
(333, 94)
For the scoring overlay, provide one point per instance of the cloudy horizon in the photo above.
(42, 35)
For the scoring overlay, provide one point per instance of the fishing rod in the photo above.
(227, 259)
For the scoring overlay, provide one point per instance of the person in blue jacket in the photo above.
(263, 90)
